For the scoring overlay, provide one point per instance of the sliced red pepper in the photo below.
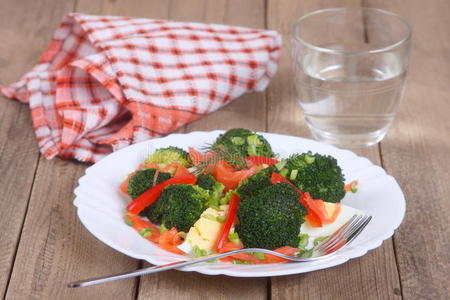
(232, 211)
(169, 241)
(260, 160)
(138, 224)
(151, 195)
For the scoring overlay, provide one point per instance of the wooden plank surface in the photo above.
(417, 152)
(23, 40)
(355, 279)
(40, 222)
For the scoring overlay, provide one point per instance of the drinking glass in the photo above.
(350, 67)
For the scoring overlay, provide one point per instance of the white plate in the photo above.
(101, 205)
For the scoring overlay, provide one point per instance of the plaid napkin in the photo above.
(108, 82)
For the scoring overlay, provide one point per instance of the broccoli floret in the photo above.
(143, 180)
(254, 184)
(179, 206)
(320, 175)
(243, 142)
(215, 188)
(271, 219)
(169, 155)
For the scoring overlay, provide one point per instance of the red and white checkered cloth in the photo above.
(107, 82)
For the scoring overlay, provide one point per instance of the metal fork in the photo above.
(328, 247)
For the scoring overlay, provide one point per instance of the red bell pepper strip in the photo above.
(260, 160)
(151, 195)
(232, 211)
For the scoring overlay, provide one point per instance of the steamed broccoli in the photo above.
(320, 175)
(254, 184)
(143, 180)
(169, 155)
(179, 206)
(215, 188)
(271, 219)
(243, 142)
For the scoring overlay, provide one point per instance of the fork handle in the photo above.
(149, 270)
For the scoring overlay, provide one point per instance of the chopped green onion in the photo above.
(209, 217)
(254, 140)
(354, 186)
(284, 172)
(128, 221)
(221, 219)
(212, 261)
(293, 175)
(319, 239)
(146, 232)
(234, 238)
(259, 255)
(238, 140)
(305, 253)
(163, 228)
(251, 150)
(199, 252)
(240, 262)
(303, 242)
(280, 165)
(309, 158)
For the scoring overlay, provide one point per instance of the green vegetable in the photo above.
(128, 221)
(226, 198)
(163, 229)
(280, 165)
(318, 240)
(303, 242)
(197, 252)
(320, 175)
(254, 184)
(243, 142)
(221, 219)
(146, 232)
(259, 255)
(272, 218)
(293, 175)
(169, 155)
(305, 253)
(284, 172)
(143, 180)
(179, 206)
(234, 238)
(209, 217)
(240, 262)
(215, 188)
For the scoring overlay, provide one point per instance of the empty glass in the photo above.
(350, 67)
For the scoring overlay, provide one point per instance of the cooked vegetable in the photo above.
(169, 241)
(254, 184)
(143, 180)
(232, 210)
(320, 175)
(150, 196)
(272, 218)
(179, 206)
(243, 142)
(215, 189)
(169, 155)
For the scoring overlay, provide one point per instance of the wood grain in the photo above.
(417, 152)
(23, 40)
(355, 279)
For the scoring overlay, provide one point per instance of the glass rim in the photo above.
(405, 39)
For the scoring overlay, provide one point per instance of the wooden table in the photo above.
(43, 245)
